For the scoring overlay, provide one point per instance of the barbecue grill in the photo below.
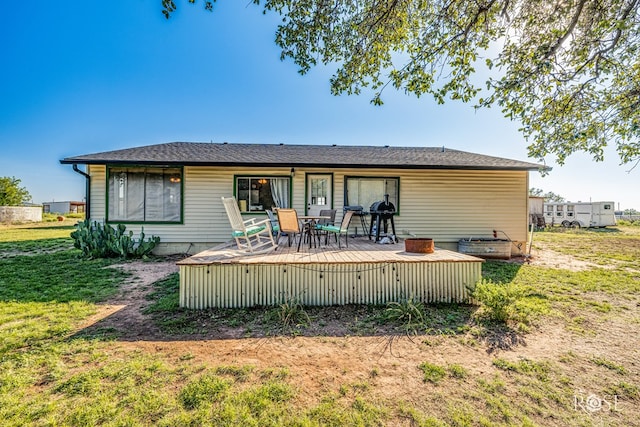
(381, 213)
(359, 212)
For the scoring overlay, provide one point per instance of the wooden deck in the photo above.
(360, 250)
(363, 273)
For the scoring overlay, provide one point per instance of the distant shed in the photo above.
(63, 207)
(536, 211)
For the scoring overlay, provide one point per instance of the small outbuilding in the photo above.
(536, 211)
(63, 207)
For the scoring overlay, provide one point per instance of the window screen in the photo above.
(363, 191)
(145, 194)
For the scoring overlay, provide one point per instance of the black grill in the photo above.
(359, 212)
(356, 209)
(381, 213)
(383, 209)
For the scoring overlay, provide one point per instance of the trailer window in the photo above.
(559, 210)
(570, 210)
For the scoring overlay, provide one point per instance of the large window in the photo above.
(259, 193)
(139, 194)
(363, 191)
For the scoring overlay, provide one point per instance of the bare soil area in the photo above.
(123, 314)
(330, 356)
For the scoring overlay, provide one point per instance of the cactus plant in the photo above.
(97, 240)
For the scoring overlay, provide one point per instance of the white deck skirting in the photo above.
(365, 273)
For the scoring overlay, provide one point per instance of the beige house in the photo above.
(174, 190)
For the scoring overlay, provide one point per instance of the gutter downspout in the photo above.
(87, 210)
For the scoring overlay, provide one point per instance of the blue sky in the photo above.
(81, 77)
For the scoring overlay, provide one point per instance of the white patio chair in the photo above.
(250, 235)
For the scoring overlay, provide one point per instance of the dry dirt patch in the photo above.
(323, 363)
(123, 314)
(545, 257)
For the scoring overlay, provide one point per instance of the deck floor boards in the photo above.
(360, 250)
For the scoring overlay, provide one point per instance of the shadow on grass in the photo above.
(559, 229)
(163, 320)
(501, 271)
(501, 337)
(55, 227)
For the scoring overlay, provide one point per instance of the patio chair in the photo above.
(249, 234)
(290, 224)
(275, 226)
(342, 229)
(331, 213)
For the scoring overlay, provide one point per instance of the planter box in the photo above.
(486, 248)
(419, 245)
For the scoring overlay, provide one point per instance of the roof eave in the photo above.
(300, 165)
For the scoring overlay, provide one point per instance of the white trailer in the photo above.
(591, 214)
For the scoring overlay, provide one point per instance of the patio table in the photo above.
(310, 222)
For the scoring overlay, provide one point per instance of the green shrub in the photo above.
(291, 314)
(407, 312)
(508, 302)
(97, 240)
(53, 217)
(49, 217)
(496, 300)
(628, 223)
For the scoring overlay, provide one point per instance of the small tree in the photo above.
(11, 193)
(549, 196)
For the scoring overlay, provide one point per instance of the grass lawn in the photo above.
(550, 345)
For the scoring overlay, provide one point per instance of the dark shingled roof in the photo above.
(278, 155)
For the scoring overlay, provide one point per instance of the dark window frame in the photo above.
(396, 203)
(257, 177)
(109, 169)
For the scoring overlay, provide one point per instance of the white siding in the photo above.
(449, 205)
(98, 195)
(441, 204)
